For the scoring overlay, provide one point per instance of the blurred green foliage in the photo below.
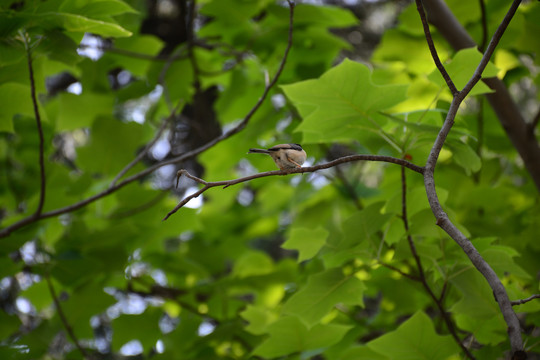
(297, 267)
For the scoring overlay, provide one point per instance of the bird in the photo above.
(286, 156)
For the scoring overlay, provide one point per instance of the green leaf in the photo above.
(342, 104)
(308, 242)
(105, 153)
(96, 8)
(322, 292)
(330, 16)
(142, 44)
(11, 53)
(253, 263)
(363, 224)
(38, 294)
(143, 327)
(415, 339)
(10, 325)
(361, 352)
(76, 111)
(86, 301)
(289, 335)
(461, 69)
(501, 258)
(259, 318)
(465, 156)
(16, 100)
(477, 299)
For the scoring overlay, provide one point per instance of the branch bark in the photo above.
(63, 318)
(443, 220)
(508, 113)
(421, 274)
(301, 170)
(190, 154)
(42, 180)
(524, 301)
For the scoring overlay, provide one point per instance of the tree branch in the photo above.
(523, 301)
(490, 49)
(442, 218)
(402, 273)
(148, 146)
(482, 45)
(507, 111)
(433, 51)
(301, 170)
(63, 318)
(42, 181)
(190, 154)
(421, 274)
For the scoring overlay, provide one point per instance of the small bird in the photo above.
(286, 156)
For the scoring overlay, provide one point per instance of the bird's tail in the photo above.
(258, 151)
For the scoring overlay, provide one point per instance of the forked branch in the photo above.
(116, 185)
(443, 220)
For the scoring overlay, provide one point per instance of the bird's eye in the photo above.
(278, 158)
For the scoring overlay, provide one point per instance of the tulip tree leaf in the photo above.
(289, 334)
(342, 104)
(415, 339)
(461, 68)
(307, 241)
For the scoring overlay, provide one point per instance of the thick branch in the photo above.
(301, 170)
(442, 218)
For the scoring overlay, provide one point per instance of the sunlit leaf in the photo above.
(341, 104)
(307, 241)
(461, 69)
(290, 335)
(415, 339)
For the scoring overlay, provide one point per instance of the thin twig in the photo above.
(443, 220)
(523, 301)
(443, 291)
(477, 75)
(148, 146)
(400, 272)
(421, 274)
(432, 49)
(349, 188)
(133, 54)
(229, 51)
(484, 25)
(301, 170)
(190, 154)
(42, 181)
(140, 208)
(63, 318)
